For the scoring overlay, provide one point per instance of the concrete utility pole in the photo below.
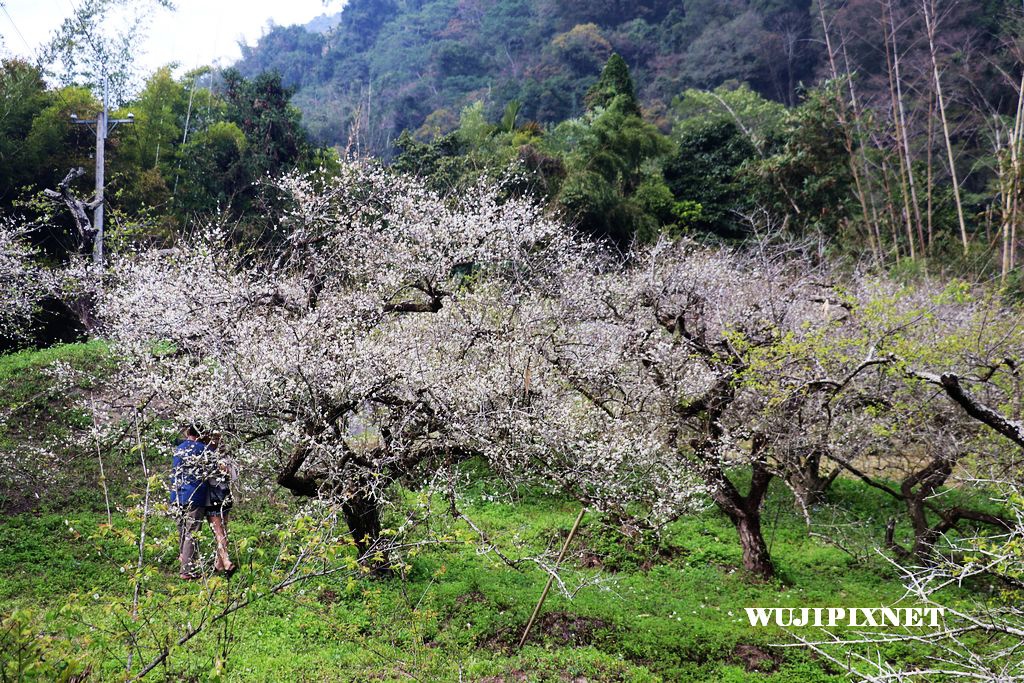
(103, 125)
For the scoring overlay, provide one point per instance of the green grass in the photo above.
(666, 608)
(12, 365)
(42, 422)
(680, 619)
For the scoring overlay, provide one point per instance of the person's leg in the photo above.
(217, 523)
(190, 520)
(226, 563)
(186, 543)
(220, 531)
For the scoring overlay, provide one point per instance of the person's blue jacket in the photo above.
(188, 482)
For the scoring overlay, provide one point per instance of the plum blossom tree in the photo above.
(916, 385)
(980, 634)
(395, 331)
(387, 332)
(942, 397)
(22, 281)
(662, 344)
(384, 338)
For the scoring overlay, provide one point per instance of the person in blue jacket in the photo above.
(189, 490)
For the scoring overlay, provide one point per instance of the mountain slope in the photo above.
(392, 65)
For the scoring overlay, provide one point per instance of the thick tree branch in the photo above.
(76, 206)
(951, 384)
(288, 476)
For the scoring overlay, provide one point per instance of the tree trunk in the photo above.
(755, 551)
(78, 208)
(807, 481)
(363, 516)
(745, 514)
(362, 513)
(927, 480)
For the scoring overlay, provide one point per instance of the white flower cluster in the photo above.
(22, 281)
(380, 331)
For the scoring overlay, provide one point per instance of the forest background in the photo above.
(882, 128)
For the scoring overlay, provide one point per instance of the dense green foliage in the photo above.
(418, 63)
(403, 65)
(198, 145)
(633, 119)
(770, 130)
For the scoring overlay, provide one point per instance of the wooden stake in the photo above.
(103, 474)
(551, 577)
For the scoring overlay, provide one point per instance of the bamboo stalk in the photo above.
(902, 127)
(857, 118)
(1010, 173)
(142, 532)
(886, 10)
(930, 28)
(145, 517)
(930, 178)
(848, 142)
(893, 222)
(1017, 156)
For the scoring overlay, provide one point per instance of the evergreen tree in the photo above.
(615, 81)
(704, 171)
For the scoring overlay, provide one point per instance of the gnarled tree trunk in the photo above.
(84, 306)
(363, 516)
(362, 513)
(807, 481)
(745, 514)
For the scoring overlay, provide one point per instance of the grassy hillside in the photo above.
(456, 615)
(42, 426)
(650, 609)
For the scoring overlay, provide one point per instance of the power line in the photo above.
(34, 51)
(3, 6)
(75, 14)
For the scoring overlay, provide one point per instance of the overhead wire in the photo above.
(3, 6)
(33, 52)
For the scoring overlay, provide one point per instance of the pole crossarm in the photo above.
(112, 122)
